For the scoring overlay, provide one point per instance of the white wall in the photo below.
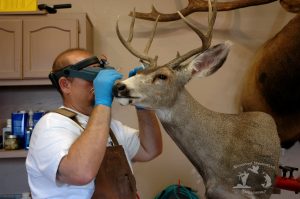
(247, 28)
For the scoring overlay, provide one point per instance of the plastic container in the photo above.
(19, 126)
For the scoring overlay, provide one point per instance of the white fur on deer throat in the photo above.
(164, 114)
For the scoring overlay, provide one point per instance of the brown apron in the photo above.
(115, 179)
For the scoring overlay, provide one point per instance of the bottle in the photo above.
(6, 131)
(30, 120)
(37, 116)
(28, 130)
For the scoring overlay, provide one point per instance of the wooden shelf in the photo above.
(26, 82)
(13, 153)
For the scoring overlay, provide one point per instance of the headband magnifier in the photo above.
(80, 70)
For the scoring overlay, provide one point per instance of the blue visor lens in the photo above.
(88, 73)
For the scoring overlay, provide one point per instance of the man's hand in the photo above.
(133, 72)
(103, 84)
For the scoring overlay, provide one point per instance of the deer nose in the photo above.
(119, 89)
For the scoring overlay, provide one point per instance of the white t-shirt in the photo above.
(50, 141)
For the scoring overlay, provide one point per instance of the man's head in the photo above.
(69, 64)
(72, 74)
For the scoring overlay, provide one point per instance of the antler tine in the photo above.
(212, 15)
(130, 36)
(205, 38)
(127, 44)
(152, 36)
(200, 6)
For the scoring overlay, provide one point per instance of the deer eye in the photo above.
(161, 76)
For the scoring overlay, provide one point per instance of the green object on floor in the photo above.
(177, 192)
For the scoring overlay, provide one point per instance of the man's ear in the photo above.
(64, 84)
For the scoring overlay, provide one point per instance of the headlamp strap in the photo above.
(84, 63)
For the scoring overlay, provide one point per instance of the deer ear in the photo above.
(210, 60)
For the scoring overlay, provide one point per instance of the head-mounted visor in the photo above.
(80, 70)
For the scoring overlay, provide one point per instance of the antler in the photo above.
(127, 44)
(291, 5)
(199, 6)
(205, 38)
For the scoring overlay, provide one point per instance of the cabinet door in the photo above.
(10, 49)
(43, 40)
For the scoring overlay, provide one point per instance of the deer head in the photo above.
(150, 87)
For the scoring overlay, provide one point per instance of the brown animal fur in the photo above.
(272, 84)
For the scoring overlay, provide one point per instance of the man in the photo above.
(66, 151)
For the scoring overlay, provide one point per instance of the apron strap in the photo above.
(67, 113)
(113, 138)
(72, 115)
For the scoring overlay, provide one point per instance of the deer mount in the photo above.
(237, 155)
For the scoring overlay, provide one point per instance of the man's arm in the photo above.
(150, 136)
(85, 155)
(81, 164)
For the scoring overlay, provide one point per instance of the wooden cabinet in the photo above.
(10, 49)
(29, 44)
(43, 40)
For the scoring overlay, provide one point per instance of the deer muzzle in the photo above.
(122, 93)
(120, 90)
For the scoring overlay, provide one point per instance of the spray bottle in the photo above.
(28, 130)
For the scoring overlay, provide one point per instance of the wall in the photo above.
(247, 28)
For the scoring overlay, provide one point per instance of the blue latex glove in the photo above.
(103, 84)
(133, 72)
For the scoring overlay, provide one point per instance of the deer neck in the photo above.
(187, 121)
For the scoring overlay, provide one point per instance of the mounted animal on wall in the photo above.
(237, 155)
(271, 84)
